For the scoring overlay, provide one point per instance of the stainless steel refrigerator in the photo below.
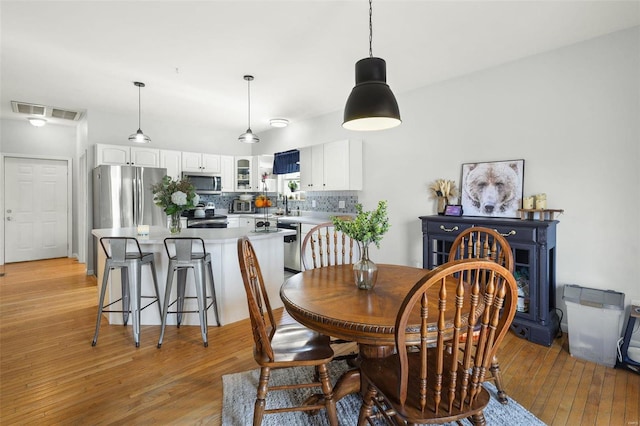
(122, 198)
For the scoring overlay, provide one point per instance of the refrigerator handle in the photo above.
(137, 204)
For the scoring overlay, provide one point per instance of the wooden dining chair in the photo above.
(485, 243)
(424, 381)
(282, 346)
(324, 246)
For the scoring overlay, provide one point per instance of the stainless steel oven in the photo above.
(219, 221)
(210, 220)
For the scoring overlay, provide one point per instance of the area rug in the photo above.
(240, 392)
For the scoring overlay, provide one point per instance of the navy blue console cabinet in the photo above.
(533, 243)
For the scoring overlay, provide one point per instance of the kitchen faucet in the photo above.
(286, 205)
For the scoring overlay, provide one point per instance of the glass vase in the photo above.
(365, 272)
(175, 224)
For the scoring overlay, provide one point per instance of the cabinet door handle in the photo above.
(455, 228)
(510, 233)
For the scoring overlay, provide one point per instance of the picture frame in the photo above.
(492, 189)
(453, 210)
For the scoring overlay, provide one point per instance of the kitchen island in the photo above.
(221, 243)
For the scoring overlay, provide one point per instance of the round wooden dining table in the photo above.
(328, 301)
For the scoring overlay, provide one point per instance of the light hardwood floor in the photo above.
(50, 373)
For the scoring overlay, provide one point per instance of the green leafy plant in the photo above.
(293, 185)
(175, 196)
(366, 227)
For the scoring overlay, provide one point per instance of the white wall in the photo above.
(20, 137)
(52, 141)
(572, 114)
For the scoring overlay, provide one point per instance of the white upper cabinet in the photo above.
(124, 155)
(228, 173)
(312, 168)
(197, 162)
(333, 166)
(342, 165)
(172, 161)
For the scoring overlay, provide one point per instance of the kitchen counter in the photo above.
(310, 219)
(157, 234)
(222, 244)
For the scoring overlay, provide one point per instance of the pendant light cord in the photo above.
(139, 107)
(249, 103)
(370, 30)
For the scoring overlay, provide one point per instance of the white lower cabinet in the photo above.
(239, 221)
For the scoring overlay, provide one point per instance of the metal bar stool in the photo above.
(130, 265)
(183, 259)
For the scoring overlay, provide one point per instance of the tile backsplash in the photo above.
(326, 201)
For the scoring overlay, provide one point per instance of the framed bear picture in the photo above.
(492, 189)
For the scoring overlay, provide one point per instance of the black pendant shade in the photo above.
(371, 104)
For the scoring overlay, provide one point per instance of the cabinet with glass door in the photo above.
(244, 173)
(533, 243)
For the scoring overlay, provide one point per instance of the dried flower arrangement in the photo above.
(443, 188)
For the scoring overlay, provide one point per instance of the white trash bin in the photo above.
(594, 319)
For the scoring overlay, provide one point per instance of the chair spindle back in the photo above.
(457, 374)
(325, 246)
(263, 324)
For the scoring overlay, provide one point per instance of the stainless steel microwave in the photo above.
(205, 183)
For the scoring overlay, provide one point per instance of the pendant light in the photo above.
(139, 137)
(249, 136)
(371, 104)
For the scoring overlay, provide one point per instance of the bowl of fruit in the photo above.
(263, 201)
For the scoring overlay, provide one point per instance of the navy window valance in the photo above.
(286, 162)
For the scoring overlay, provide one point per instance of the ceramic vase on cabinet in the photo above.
(442, 203)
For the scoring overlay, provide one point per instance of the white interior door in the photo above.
(36, 209)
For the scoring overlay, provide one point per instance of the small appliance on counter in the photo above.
(243, 206)
(199, 212)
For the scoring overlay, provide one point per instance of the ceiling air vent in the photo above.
(45, 111)
(65, 114)
(31, 109)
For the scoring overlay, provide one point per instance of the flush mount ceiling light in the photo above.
(371, 104)
(37, 122)
(279, 122)
(248, 136)
(139, 137)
